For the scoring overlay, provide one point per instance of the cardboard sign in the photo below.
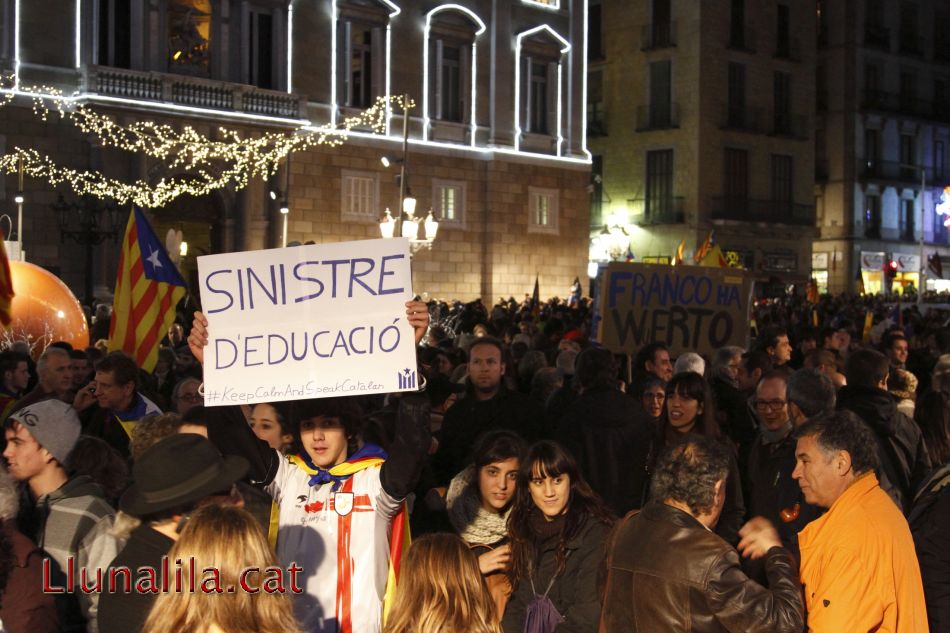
(307, 322)
(689, 308)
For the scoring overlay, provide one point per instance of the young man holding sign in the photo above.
(339, 499)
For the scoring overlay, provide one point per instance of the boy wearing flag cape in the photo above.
(342, 520)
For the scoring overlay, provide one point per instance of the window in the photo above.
(659, 187)
(941, 94)
(872, 216)
(114, 46)
(736, 115)
(661, 35)
(907, 220)
(595, 30)
(909, 38)
(261, 49)
(783, 46)
(358, 64)
(596, 124)
(360, 196)
(782, 116)
(907, 157)
(448, 202)
(737, 24)
(189, 37)
(783, 183)
(596, 188)
(661, 100)
(542, 210)
(939, 161)
(735, 187)
(536, 119)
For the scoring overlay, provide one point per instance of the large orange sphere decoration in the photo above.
(44, 310)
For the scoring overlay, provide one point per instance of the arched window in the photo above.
(539, 90)
(450, 60)
(361, 51)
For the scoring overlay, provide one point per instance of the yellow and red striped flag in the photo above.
(147, 289)
(6, 284)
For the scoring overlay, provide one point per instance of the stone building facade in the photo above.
(700, 119)
(883, 100)
(496, 144)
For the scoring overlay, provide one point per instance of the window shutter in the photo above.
(554, 125)
(438, 79)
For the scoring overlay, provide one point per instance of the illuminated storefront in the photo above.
(872, 272)
(907, 274)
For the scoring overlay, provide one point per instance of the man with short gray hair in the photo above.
(668, 570)
(55, 378)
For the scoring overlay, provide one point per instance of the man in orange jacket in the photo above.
(859, 567)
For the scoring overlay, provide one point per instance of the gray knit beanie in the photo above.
(53, 424)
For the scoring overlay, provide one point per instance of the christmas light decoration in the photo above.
(204, 164)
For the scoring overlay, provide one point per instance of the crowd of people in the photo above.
(799, 483)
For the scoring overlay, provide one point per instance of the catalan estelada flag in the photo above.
(147, 289)
(6, 285)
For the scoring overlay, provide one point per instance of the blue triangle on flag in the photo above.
(156, 263)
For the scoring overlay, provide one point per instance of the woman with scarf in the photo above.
(558, 528)
(479, 501)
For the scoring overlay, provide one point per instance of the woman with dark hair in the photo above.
(653, 397)
(479, 501)
(929, 516)
(690, 412)
(558, 528)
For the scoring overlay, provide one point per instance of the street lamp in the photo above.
(405, 224)
(95, 222)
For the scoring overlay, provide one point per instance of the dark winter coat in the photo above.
(24, 607)
(930, 525)
(904, 459)
(667, 572)
(575, 593)
(609, 434)
(125, 612)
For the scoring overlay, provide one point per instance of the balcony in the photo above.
(657, 118)
(193, 92)
(910, 44)
(657, 35)
(874, 169)
(654, 211)
(767, 211)
(877, 37)
(788, 48)
(792, 126)
(742, 39)
(895, 102)
(742, 119)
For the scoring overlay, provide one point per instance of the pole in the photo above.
(19, 208)
(402, 168)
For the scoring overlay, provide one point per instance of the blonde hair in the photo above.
(229, 540)
(441, 590)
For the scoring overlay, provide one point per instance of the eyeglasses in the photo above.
(774, 405)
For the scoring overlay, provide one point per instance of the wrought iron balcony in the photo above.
(769, 211)
(660, 210)
(657, 118)
(744, 119)
(657, 35)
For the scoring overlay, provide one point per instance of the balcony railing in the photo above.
(742, 39)
(190, 91)
(657, 118)
(910, 44)
(877, 37)
(657, 35)
(653, 211)
(872, 168)
(744, 119)
(769, 211)
(793, 125)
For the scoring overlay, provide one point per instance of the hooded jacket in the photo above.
(904, 459)
(609, 434)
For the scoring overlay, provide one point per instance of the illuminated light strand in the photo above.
(205, 164)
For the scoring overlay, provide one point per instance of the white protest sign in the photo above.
(307, 322)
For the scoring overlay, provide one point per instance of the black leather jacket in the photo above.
(669, 573)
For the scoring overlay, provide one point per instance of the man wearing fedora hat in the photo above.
(72, 518)
(171, 479)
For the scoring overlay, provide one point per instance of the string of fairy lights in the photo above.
(202, 164)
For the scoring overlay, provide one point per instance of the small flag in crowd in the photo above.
(678, 257)
(6, 284)
(868, 325)
(147, 289)
(935, 265)
(704, 249)
(536, 299)
(812, 293)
